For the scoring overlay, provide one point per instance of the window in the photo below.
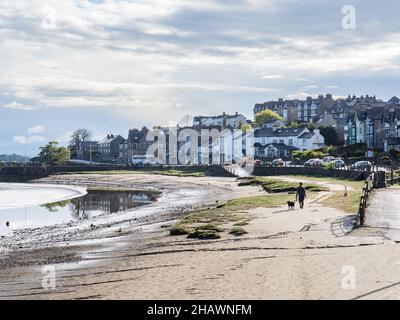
(290, 142)
(387, 130)
(370, 134)
(274, 141)
(304, 142)
(281, 141)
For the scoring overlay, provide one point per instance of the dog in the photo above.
(290, 205)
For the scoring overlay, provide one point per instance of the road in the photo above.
(383, 208)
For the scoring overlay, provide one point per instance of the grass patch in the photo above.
(122, 189)
(240, 224)
(237, 231)
(208, 231)
(179, 173)
(337, 200)
(201, 224)
(352, 183)
(180, 230)
(105, 172)
(348, 204)
(167, 172)
(276, 185)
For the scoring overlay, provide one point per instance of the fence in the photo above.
(368, 186)
(376, 179)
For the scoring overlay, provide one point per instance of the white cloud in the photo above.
(28, 139)
(17, 106)
(166, 57)
(36, 129)
(273, 76)
(19, 139)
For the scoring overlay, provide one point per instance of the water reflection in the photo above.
(95, 203)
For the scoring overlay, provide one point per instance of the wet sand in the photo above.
(301, 254)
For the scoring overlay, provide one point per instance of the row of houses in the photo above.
(325, 110)
(377, 127)
(364, 119)
(227, 142)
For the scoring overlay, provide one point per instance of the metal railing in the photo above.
(368, 187)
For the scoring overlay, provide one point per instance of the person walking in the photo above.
(301, 195)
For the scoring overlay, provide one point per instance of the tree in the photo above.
(246, 127)
(330, 134)
(53, 154)
(265, 116)
(77, 137)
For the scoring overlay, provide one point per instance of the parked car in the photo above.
(328, 159)
(339, 163)
(277, 163)
(313, 163)
(361, 165)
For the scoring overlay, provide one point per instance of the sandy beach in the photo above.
(301, 254)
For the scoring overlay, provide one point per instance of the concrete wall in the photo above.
(27, 173)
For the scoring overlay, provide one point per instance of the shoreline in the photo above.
(285, 255)
(19, 195)
(177, 199)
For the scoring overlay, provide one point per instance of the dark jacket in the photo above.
(301, 193)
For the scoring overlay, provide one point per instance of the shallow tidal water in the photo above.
(91, 205)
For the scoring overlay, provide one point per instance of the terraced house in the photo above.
(225, 120)
(325, 110)
(109, 148)
(378, 127)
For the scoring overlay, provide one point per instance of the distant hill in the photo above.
(12, 158)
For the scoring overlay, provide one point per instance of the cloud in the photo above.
(28, 139)
(149, 61)
(273, 76)
(36, 129)
(17, 106)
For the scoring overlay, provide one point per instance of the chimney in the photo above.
(236, 113)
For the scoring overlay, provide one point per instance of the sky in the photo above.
(112, 65)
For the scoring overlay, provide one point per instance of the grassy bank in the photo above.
(208, 224)
(177, 173)
(122, 189)
(276, 185)
(337, 200)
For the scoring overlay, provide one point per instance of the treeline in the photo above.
(13, 158)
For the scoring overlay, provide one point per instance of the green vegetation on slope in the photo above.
(276, 185)
(206, 223)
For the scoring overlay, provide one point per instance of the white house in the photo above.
(225, 120)
(300, 138)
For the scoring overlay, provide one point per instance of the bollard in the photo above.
(380, 181)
